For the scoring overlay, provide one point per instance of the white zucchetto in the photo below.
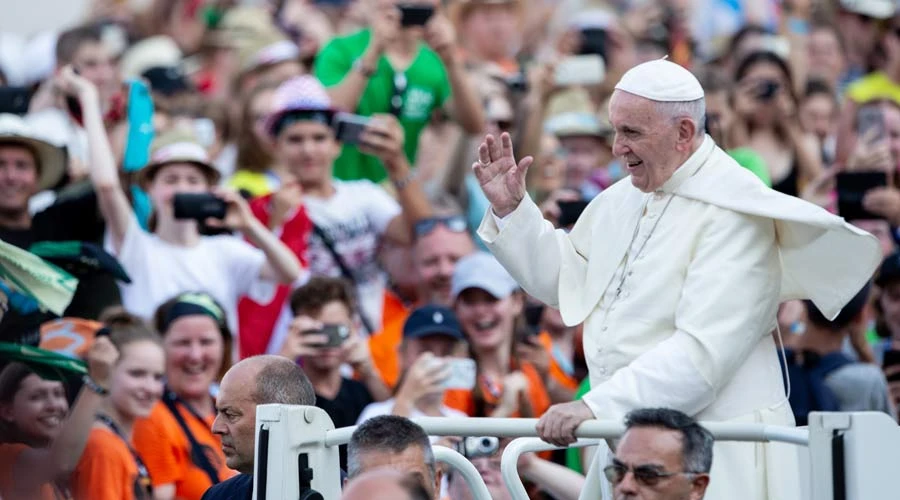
(661, 80)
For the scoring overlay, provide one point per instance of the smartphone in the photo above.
(570, 211)
(415, 14)
(593, 42)
(462, 373)
(871, 118)
(852, 187)
(15, 100)
(199, 206)
(337, 335)
(533, 315)
(349, 127)
(580, 70)
(891, 358)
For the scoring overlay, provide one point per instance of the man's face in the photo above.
(646, 139)
(584, 154)
(18, 177)
(661, 450)
(493, 29)
(236, 418)
(95, 63)
(442, 346)
(435, 255)
(410, 461)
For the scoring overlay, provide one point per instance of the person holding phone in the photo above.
(350, 218)
(407, 64)
(767, 122)
(175, 257)
(323, 336)
(431, 339)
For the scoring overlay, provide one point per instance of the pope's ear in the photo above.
(688, 130)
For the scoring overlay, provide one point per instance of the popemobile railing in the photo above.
(844, 456)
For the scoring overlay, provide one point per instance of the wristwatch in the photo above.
(367, 71)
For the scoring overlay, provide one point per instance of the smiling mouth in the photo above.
(634, 164)
(486, 325)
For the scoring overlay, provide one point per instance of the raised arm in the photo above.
(467, 106)
(104, 174)
(36, 466)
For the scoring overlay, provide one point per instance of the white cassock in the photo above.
(679, 291)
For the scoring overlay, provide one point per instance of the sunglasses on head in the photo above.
(646, 475)
(455, 223)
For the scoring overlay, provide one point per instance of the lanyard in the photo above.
(143, 473)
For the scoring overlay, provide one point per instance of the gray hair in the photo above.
(697, 442)
(694, 110)
(281, 381)
(387, 433)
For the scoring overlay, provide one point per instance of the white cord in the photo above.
(784, 366)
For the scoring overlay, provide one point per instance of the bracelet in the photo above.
(94, 386)
(402, 183)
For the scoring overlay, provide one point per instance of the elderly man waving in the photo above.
(677, 273)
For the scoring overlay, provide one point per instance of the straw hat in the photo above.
(51, 160)
(177, 146)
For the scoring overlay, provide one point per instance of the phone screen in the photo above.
(870, 120)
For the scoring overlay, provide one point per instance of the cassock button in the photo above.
(627, 294)
(602, 371)
(604, 329)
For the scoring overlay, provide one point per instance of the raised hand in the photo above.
(500, 177)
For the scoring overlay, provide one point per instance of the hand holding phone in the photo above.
(335, 334)
(580, 70)
(348, 128)
(199, 206)
(852, 188)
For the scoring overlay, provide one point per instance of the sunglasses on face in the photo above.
(456, 224)
(646, 475)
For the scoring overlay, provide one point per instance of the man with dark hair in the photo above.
(254, 381)
(396, 443)
(323, 337)
(822, 377)
(664, 455)
(385, 484)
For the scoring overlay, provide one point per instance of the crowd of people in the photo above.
(303, 202)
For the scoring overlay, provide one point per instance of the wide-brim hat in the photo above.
(266, 49)
(52, 160)
(876, 9)
(298, 95)
(153, 52)
(177, 146)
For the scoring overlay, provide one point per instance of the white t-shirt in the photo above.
(222, 266)
(354, 219)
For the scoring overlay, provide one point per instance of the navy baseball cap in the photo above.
(432, 320)
(889, 271)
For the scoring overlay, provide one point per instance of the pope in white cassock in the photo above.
(677, 273)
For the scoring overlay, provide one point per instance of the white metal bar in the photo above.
(510, 461)
(463, 465)
(525, 427)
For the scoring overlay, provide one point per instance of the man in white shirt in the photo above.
(677, 272)
(431, 334)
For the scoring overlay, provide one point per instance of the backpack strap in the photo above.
(197, 455)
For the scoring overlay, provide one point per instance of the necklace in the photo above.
(637, 228)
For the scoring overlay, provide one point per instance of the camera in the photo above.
(337, 335)
(481, 446)
(767, 90)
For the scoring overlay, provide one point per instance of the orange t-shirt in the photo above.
(166, 450)
(556, 371)
(107, 470)
(538, 397)
(384, 347)
(9, 453)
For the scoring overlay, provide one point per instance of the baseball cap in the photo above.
(481, 270)
(432, 320)
(889, 271)
(877, 9)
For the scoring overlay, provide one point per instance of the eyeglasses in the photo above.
(455, 223)
(646, 475)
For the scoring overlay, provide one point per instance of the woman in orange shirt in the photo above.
(176, 442)
(109, 468)
(40, 444)
(489, 306)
